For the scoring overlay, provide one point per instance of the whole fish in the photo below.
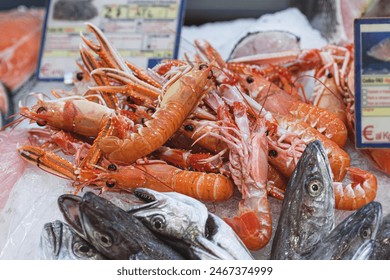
(381, 50)
(112, 231)
(334, 18)
(382, 241)
(307, 214)
(176, 217)
(59, 242)
(255, 44)
(353, 238)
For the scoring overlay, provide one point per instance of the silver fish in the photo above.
(381, 50)
(334, 18)
(260, 45)
(59, 242)
(382, 241)
(177, 217)
(353, 238)
(6, 106)
(307, 214)
(111, 230)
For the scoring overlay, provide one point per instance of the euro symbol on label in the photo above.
(367, 132)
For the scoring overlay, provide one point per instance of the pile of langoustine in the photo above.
(200, 127)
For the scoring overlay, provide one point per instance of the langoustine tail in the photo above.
(358, 193)
(253, 224)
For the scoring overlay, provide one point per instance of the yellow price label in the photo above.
(133, 11)
(115, 11)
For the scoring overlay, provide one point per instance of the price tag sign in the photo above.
(143, 31)
(372, 82)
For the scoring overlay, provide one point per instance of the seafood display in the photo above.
(214, 158)
(254, 116)
(19, 53)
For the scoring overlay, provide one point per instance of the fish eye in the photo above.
(158, 222)
(103, 239)
(82, 249)
(365, 232)
(315, 188)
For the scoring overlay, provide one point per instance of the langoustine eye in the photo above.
(41, 110)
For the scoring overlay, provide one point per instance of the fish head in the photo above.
(356, 234)
(310, 199)
(109, 228)
(186, 224)
(51, 240)
(95, 219)
(59, 242)
(365, 251)
(115, 233)
(171, 214)
(382, 243)
(69, 205)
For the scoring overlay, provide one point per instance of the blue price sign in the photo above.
(372, 82)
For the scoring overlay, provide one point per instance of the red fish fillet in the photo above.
(19, 45)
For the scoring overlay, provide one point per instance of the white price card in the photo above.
(372, 82)
(143, 31)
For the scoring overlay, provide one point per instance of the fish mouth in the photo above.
(365, 251)
(195, 247)
(146, 196)
(373, 215)
(51, 237)
(318, 148)
(69, 205)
